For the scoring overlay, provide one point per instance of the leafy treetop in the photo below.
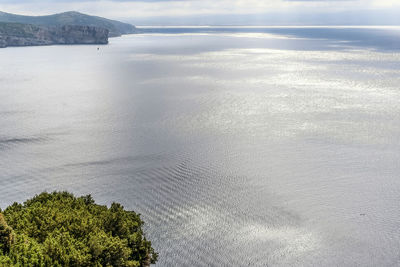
(59, 229)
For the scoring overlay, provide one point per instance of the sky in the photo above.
(222, 12)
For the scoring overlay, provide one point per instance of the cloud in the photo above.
(145, 10)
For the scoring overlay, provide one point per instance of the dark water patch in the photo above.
(21, 140)
(12, 112)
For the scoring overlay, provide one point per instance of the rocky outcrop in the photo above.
(115, 28)
(15, 34)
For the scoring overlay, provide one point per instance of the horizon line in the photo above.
(265, 26)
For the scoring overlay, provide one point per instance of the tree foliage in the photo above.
(6, 235)
(58, 229)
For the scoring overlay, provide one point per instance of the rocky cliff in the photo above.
(15, 34)
(115, 28)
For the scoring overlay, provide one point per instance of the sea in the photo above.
(239, 146)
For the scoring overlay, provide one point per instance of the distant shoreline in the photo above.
(16, 34)
(68, 28)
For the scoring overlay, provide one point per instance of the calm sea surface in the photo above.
(239, 147)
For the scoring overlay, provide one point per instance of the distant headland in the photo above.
(64, 28)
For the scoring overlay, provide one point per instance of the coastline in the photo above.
(16, 34)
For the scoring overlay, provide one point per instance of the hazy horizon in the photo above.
(224, 12)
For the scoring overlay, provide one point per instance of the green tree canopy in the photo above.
(58, 229)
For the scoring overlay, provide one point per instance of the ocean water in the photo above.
(239, 146)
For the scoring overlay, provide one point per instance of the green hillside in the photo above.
(115, 28)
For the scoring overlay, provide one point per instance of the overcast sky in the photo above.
(226, 12)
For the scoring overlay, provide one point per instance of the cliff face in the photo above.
(13, 34)
(116, 28)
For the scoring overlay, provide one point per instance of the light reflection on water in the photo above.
(236, 148)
